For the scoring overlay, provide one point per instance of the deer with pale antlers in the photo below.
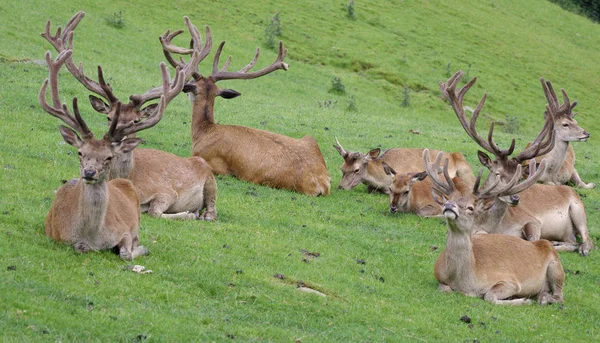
(250, 154)
(377, 170)
(168, 186)
(501, 269)
(549, 212)
(91, 212)
(561, 159)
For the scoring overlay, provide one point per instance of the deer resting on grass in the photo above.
(373, 168)
(168, 186)
(92, 213)
(561, 159)
(501, 269)
(549, 212)
(250, 154)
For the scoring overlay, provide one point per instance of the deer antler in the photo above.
(553, 107)
(340, 149)
(58, 109)
(543, 143)
(197, 51)
(432, 170)
(513, 186)
(223, 74)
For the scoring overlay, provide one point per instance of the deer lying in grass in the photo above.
(501, 269)
(549, 212)
(92, 213)
(370, 168)
(168, 186)
(561, 159)
(253, 155)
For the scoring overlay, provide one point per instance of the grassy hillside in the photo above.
(215, 281)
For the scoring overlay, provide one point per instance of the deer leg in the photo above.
(503, 290)
(161, 203)
(576, 179)
(532, 231)
(429, 211)
(209, 199)
(564, 246)
(125, 247)
(579, 221)
(82, 247)
(442, 287)
(555, 277)
(138, 250)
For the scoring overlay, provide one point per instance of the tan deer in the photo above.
(501, 269)
(561, 159)
(168, 186)
(370, 168)
(92, 213)
(549, 212)
(250, 154)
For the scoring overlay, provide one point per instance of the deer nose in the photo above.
(89, 173)
(515, 199)
(393, 209)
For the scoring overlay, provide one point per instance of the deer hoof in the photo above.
(208, 216)
(125, 255)
(590, 185)
(81, 247)
(584, 248)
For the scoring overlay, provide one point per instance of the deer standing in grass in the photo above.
(501, 269)
(549, 212)
(92, 213)
(168, 186)
(250, 154)
(372, 168)
(561, 159)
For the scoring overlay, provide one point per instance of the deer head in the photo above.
(503, 165)
(95, 155)
(355, 166)
(565, 125)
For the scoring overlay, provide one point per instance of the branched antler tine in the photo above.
(108, 93)
(244, 75)
(226, 65)
(543, 143)
(60, 112)
(446, 173)
(340, 148)
(85, 130)
(113, 134)
(217, 57)
(551, 96)
(494, 146)
(477, 182)
(252, 63)
(169, 88)
(534, 176)
(432, 171)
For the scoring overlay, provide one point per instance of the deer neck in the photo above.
(93, 203)
(459, 257)
(556, 157)
(490, 219)
(122, 165)
(203, 107)
(376, 177)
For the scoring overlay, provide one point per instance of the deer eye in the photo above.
(470, 208)
(356, 171)
(80, 154)
(565, 125)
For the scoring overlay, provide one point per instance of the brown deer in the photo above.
(92, 213)
(370, 168)
(561, 159)
(501, 269)
(550, 212)
(250, 154)
(168, 186)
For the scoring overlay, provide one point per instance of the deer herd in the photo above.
(502, 231)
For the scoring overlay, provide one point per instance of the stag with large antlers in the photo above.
(253, 155)
(92, 213)
(374, 169)
(561, 159)
(550, 212)
(501, 269)
(169, 186)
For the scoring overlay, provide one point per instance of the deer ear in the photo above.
(387, 169)
(418, 176)
(99, 105)
(127, 145)
(484, 159)
(70, 136)
(374, 153)
(189, 87)
(438, 196)
(488, 203)
(148, 110)
(228, 93)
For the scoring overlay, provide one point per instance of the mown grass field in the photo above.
(215, 281)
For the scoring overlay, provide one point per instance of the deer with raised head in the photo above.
(501, 269)
(92, 213)
(561, 159)
(372, 168)
(168, 186)
(250, 154)
(549, 212)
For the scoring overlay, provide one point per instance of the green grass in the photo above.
(215, 281)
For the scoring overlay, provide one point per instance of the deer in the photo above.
(92, 213)
(550, 212)
(253, 155)
(373, 168)
(168, 186)
(501, 269)
(561, 165)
